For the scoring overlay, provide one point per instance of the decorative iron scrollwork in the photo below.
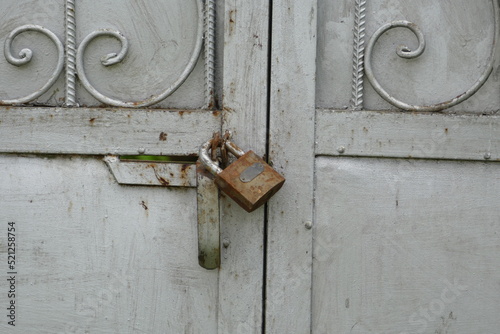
(113, 58)
(72, 56)
(406, 52)
(25, 56)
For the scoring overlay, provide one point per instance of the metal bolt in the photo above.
(141, 150)
(341, 149)
(226, 243)
(308, 225)
(487, 155)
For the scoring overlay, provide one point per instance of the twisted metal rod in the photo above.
(209, 38)
(70, 98)
(358, 60)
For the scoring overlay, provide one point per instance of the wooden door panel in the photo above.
(365, 99)
(94, 256)
(406, 246)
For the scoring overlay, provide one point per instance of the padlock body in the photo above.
(249, 181)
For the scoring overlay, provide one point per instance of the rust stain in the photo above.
(164, 182)
(232, 21)
(92, 120)
(257, 43)
(214, 100)
(216, 113)
(183, 112)
(184, 175)
(163, 136)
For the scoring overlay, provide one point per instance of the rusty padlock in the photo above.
(249, 181)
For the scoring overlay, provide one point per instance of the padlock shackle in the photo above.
(211, 165)
(205, 159)
(234, 149)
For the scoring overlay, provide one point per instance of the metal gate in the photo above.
(382, 115)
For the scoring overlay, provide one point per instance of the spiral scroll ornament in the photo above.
(405, 52)
(114, 58)
(25, 56)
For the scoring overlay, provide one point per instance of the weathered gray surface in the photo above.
(160, 285)
(106, 131)
(401, 245)
(406, 246)
(388, 235)
(97, 257)
(244, 103)
(288, 302)
(408, 135)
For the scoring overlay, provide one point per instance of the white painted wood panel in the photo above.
(97, 257)
(291, 151)
(106, 131)
(244, 104)
(408, 135)
(406, 246)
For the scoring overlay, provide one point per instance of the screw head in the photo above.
(141, 150)
(341, 149)
(308, 225)
(226, 243)
(487, 155)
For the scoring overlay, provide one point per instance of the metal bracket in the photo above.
(208, 219)
(149, 173)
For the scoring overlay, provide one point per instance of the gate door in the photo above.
(104, 107)
(386, 111)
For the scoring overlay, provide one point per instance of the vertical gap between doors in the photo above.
(268, 150)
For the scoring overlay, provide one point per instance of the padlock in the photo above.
(249, 181)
